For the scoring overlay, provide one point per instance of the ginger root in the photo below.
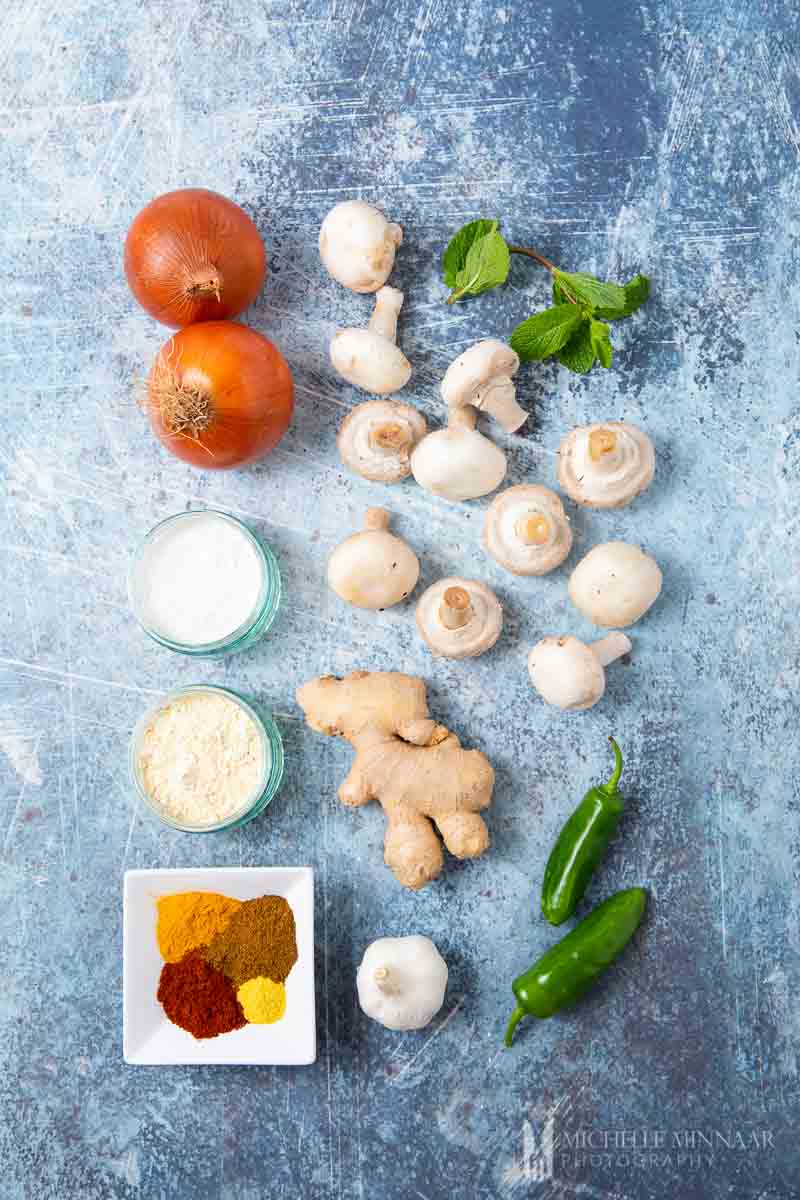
(414, 767)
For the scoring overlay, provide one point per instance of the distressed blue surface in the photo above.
(662, 137)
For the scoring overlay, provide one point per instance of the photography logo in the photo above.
(535, 1165)
(547, 1154)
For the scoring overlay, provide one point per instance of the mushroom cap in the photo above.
(526, 530)
(566, 673)
(369, 361)
(484, 618)
(468, 373)
(458, 463)
(377, 437)
(481, 377)
(606, 466)
(615, 584)
(373, 569)
(357, 245)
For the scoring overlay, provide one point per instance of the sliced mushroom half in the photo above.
(377, 437)
(526, 530)
(606, 466)
(459, 618)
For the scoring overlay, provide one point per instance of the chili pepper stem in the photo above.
(516, 1017)
(611, 786)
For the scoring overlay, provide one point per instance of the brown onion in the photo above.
(192, 255)
(219, 395)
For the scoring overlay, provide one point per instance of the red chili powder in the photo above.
(198, 997)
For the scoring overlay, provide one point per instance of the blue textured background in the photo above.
(660, 136)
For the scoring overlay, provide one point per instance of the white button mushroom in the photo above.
(606, 466)
(569, 674)
(482, 377)
(357, 245)
(373, 569)
(377, 437)
(370, 358)
(401, 981)
(526, 530)
(615, 584)
(459, 618)
(458, 463)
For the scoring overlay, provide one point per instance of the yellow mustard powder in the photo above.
(191, 919)
(263, 1001)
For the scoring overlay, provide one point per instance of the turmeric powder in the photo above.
(263, 1001)
(188, 920)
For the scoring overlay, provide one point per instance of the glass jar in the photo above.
(251, 628)
(272, 750)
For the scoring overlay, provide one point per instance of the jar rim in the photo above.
(268, 597)
(272, 749)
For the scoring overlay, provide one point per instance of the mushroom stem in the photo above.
(378, 518)
(382, 976)
(388, 302)
(533, 529)
(391, 438)
(498, 397)
(461, 417)
(608, 649)
(602, 444)
(455, 611)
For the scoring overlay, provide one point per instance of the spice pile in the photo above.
(226, 961)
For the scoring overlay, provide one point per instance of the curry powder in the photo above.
(259, 939)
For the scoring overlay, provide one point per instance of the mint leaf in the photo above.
(487, 266)
(636, 292)
(578, 354)
(593, 291)
(558, 295)
(546, 332)
(454, 258)
(601, 343)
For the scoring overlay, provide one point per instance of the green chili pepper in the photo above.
(568, 969)
(581, 844)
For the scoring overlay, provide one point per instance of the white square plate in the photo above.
(148, 1037)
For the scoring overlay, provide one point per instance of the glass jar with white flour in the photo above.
(203, 584)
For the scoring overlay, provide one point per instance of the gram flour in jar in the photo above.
(198, 579)
(201, 759)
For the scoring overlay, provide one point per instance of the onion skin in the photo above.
(192, 255)
(244, 390)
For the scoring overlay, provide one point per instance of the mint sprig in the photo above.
(636, 292)
(476, 260)
(578, 355)
(546, 332)
(574, 329)
(591, 291)
(454, 258)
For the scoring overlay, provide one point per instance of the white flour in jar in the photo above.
(197, 580)
(201, 758)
